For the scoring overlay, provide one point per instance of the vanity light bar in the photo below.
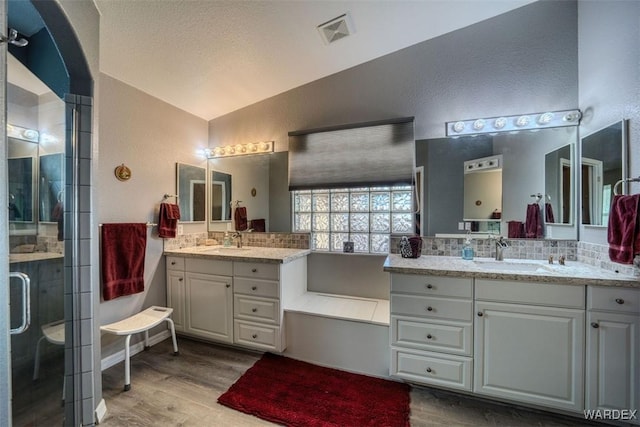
(240, 149)
(552, 119)
(19, 132)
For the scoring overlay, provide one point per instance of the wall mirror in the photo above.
(22, 165)
(603, 163)
(50, 185)
(259, 183)
(220, 196)
(558, 184)
(523, 174)
(191, 192)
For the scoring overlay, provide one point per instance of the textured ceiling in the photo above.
(211, 57)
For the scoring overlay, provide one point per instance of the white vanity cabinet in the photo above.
(529, 343)
(613, 349)
(202, 297)
(432, 330)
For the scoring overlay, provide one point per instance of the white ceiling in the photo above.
(211, 57)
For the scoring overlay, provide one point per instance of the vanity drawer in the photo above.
(254, 335)
(256, 270)
(175, 263)
(209, 266)
(432, 368)
(432, 285)
(262, 288)
(625, 300)
(257, 309)
(448, 337)
(432, 307)
(534, 293)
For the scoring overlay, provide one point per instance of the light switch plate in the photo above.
(180, 230)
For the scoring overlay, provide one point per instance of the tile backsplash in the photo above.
(271, 240)
(598, 256)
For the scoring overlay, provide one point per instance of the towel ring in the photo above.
(615, 187)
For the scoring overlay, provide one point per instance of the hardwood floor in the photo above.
(182, 391)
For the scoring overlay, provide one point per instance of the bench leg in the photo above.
(173, 336)
(36, 365)
(127, 365)
(146, 340)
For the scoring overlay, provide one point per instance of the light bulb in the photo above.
(253, 147)
(522, 121)
(458, 127)
(231, 150)
(499, 123)
(478, 124)
(240, 148)
(545, 118)
(265, 146)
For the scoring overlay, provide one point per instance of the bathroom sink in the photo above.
(512, 266)
(228, 249)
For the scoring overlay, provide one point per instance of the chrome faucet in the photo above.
(501, 245)
(238, 238)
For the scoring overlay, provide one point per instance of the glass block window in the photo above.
(365, 216)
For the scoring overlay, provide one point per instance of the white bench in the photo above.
(140, 322)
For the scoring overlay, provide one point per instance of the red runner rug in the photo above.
(295, 393)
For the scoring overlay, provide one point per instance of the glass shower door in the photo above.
(35, 192)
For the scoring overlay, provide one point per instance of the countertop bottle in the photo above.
(467, 249)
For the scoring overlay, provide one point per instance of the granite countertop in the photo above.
(246, 253)
(572, 272)
(34, 256)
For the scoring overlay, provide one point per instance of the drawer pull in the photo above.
(429, 286)
(619, 300)
(254, 336)
(429, 308)
(180, 279)
(594, 325)
(173, 263)
(254, 288)
(429, 337)
(429, 370)
(254, 310)
(479, 314)
(228, 285)
(254, 270)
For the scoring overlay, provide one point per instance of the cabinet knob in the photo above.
(254, 288)
(254, 310)
(429, 337)
(480, 314)
(254, 270)
(429, 286)
(254, 336)
(228, 285)
(594, 325)
(180, 279)
(619, 300)
(429, 370)
(173, 263)
(429, 308)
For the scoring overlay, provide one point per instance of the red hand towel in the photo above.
(258, 225)
(533, 224)
(240, 217)
(123, 253)
(548, 213)
(623, 231)
(168, 220)
(515, 229)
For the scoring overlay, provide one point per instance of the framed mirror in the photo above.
(50, 185)
(220, 196)
(22, 166)
(603, 163)
(558, 184)
(191, 188)
(523, 174)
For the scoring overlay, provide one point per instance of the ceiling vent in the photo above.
(336, 29)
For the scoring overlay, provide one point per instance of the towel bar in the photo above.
(140, 322)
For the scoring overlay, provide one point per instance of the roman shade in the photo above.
(364, 154)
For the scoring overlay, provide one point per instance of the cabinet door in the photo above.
(613, 355)
(209, 306)
(530, 354)
(175, 297)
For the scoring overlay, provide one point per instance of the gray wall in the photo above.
(522, 61)
(608, 35)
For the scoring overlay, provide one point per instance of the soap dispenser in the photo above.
(227, 239)
(467, 249)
